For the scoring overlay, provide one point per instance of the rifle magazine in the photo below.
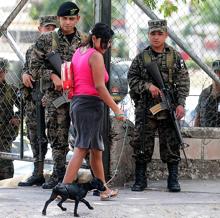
(157, 108)
(60, 101)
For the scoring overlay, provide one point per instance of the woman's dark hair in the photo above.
(100, 30)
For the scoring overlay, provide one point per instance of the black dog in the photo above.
(75, 191)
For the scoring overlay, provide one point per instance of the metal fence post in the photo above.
(12, 16)
(97, 10)
(106, 18)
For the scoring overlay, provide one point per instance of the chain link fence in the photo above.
(194, 32)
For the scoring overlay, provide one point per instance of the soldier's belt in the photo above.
(61, 100)
(158, 107)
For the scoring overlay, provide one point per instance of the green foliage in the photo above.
(119, 48)
(46, 7)
(203, 15)
(49, 7)
(116, 9)
(209, 11)
(193, 65)
(35, 11)
(151, 3)
(86, 13)
(167, 7)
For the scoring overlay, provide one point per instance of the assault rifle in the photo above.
(56, 62)
(37, 94)
(167, 103)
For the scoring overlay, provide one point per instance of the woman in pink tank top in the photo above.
(87, 108)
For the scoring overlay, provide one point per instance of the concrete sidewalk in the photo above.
(198, 199)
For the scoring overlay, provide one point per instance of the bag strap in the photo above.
(55, 40)
(170, 63)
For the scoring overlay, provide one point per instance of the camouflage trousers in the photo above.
(144, 136)
(31, 122)
(8, 134)
(57, 124)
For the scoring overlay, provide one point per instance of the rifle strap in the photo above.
(146, 57)
(55, 40)
(170, 64)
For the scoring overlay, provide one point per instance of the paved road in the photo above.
(198, 199)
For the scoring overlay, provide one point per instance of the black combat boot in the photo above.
(172, 181)
(33, 180)
(37, 177)
(52, 182)
(140, 178)
(7, 169)
(55, 178)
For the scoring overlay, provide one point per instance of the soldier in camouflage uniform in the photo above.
(9, 120)
(208, 108)
(146, 94)
(64, 41)
(46, 24)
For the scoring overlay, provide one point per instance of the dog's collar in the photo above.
(66, 191)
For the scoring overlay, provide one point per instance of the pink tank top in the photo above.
(82, 73)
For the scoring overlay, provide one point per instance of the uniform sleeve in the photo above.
(182, 81)
(137, 83)
(26, 66)
(39, 66)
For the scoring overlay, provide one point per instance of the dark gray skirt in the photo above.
(86, 115)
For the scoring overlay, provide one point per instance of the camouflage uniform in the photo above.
(31, 121)
(147, 124)
(57, 119)
(208, 108)
(37, 177)
(139, 80)
(8, 131)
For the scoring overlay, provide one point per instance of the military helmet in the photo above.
(4, 64)
(216, 65)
